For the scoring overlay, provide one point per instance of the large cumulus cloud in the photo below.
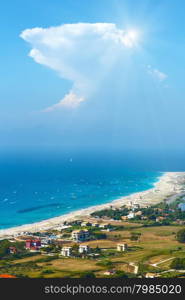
(82, 53)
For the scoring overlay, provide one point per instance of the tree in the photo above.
(75, 249)
(178, 263)
(135, 236)
(105, 263)
(4, 245)
(88, 275)
(97, 249)
(181, 236)
(49, 248)
(120, 274)
(99, 236)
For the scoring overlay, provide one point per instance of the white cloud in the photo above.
(82, 53)
(70, 100)
(156, 73)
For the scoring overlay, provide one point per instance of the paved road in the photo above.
(173, 270)
(162, 261)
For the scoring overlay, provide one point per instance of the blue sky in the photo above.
(102, 91)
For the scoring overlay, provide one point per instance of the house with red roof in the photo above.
(33, 244)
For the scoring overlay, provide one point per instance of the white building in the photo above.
(109, 272)
(136, 206)
(151, 275)
(136, 267)
(131, 215)
(122, 247)
(104, 225)
(66, 251)
(45, 242)
(85, 224)
(84, 249)
(138, 213)
(80, 235)
(95, 224)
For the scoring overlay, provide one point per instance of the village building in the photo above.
(95, 225)
(159, 219)
(180, 222)
(136, 206)
(124, 218)
(86, 224)
(109, 229)
(151, 275)
(84, 249)
(136, 269)
(52, 237)
(122, 247)
(12, 250)
(133, 268)
(104, 225)
(33, 244)
(131, 215)
(78, 222)
(138, 213)
(94, 255)
(66, 251)
(109, 272)
(45, 242)
(144, 218)
(80, 235)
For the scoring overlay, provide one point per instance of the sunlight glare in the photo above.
(131, 38)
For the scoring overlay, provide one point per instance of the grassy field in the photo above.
(156, 244)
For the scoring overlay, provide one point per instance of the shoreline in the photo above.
(169, 184)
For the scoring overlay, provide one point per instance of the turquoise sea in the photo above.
(34, 188)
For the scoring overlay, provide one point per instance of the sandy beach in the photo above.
(169, 185)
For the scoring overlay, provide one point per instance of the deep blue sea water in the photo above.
(37, 188)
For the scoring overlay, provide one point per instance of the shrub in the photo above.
(48, 272)
(105, 263)
(100, 236)
(120, 274)
(46, 259)
(181, 236)
(87, 275)
(178, 264)
(135, 236)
